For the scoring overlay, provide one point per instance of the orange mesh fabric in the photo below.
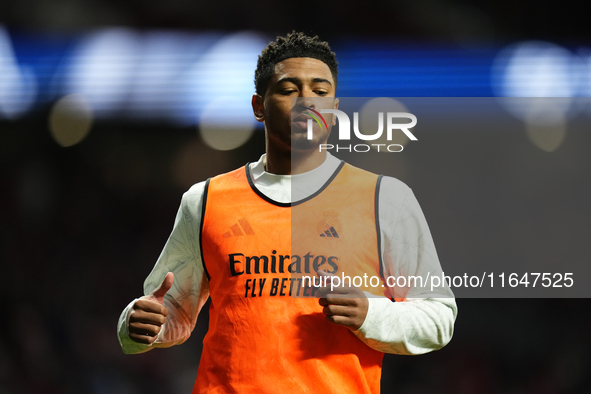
(262, 338)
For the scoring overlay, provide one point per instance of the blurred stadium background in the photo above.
(110, 110)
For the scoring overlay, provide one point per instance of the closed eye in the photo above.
(287, 92)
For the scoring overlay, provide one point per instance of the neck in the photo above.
(292, 163)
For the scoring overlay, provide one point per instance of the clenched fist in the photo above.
(343, 305)
(148, 314)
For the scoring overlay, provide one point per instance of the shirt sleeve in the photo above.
(190, 290)
(422, 317)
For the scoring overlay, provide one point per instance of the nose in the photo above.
(308, 102)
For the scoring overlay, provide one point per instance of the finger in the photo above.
(351, 322)
(340, 320)
(337, 299)
(336, 287)
(332, 299)
(144, 329)
(339, 310)
(166, 284)
(321, 273)
(327, 292)
(322, 292)
(145, 304)
(144, 339)
(329, 281)
(146, 317)
(349, 300)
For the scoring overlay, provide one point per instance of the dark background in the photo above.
(81, 227)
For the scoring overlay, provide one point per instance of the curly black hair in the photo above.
(295, 44)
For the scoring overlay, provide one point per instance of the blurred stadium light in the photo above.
(539, 83)
(103, 70)
(70, 120)
(537, 69)
(175, 76)
(17, 84)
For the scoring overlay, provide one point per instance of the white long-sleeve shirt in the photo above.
(422, 323)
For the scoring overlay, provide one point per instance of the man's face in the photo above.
(307, 80)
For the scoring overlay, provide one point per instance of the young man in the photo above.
(245, 239)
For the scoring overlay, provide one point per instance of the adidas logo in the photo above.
(328, 225)
(239, 229)
(330, 233)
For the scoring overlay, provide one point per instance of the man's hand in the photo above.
(148, 314)
(343, 305)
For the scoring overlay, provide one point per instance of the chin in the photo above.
(304, 145)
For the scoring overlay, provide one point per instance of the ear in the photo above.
(336, 106)
(257, 107)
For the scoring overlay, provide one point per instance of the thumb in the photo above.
(323, 273)
(158, 294)
(326, 289)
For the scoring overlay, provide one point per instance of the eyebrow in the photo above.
(298, 81)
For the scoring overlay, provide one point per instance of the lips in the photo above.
(301, 121)
(302, 117)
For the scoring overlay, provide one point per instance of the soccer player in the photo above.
(246, 240)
